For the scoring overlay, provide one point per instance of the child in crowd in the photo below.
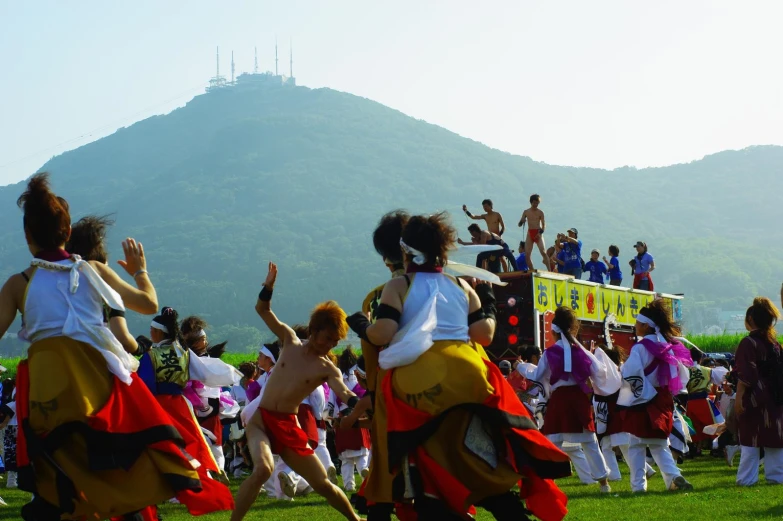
(595, 268)
(614, 272)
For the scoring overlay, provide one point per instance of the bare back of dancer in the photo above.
(300, 368)
(536, 224)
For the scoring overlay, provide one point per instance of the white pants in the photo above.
(587, 459)
(748, 470)
(322, 452)
(353, 461)
(611, 459)
(637, 462)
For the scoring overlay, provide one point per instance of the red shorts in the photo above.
(534, 234)
(284, 432)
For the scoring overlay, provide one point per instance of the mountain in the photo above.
(236, 178)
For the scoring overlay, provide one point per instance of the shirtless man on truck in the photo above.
(272, 428)
(534, 217)
(493, 219)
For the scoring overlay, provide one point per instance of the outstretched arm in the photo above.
(141, 299)
(474, 217)
(336, 384)
(264, 309)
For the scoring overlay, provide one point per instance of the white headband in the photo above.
(358, 370)
(159, 327)
(648, 321)
(199, 334)
(419, 258)
(265, 351)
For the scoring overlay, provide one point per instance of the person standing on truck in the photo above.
(572, 247)
(615, 274)
(493, 219)
(595, 268)
(536, 224)
(643, 265)
(521, 259)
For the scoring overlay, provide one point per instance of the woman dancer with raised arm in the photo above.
(440, 387)
(110, 449)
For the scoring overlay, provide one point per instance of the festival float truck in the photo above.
(607, 314)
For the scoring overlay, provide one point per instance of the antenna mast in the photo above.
(232, 67)
(291, 56)
(275, 55)
(217, 68)
(255, 68)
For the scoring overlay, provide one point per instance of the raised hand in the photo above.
(135, 260)
(271, 276)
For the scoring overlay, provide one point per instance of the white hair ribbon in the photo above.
(199, 334)
(159, 327)
(356, 369)
(648, 321)
(566, 345)
(419, 258)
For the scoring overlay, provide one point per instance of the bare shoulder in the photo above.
(397, 284)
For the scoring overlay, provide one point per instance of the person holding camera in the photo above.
(572, 248)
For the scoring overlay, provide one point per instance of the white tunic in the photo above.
(66, 298)
(436, 308)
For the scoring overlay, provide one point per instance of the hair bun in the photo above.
(167, 311)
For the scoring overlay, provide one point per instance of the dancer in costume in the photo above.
(85, 446)
(700, 408)
(206, 400)
(273, 427)
(352, 444)
(440, 387)
(166, 369)
(759, 400)
(378, 485)
(656, 369)
(568, 373)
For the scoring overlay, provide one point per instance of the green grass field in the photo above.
(715, 498)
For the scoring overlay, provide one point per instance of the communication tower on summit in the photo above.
(218, 82)
(232, 67)
(276, 57)
(291, 57)
(255, 63)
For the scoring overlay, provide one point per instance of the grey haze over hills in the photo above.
(236, 178)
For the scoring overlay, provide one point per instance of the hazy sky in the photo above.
(597, 83)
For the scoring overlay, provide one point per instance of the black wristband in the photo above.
(468, 213)
(265, 295)
(116, 313)
(352, 401)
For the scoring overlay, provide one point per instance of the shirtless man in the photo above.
(493, 219)
(535, 230)
(273, 427)
(479, 236)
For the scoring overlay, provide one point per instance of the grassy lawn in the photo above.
(715, 498)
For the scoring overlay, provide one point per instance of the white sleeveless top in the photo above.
(436, 308)
(451, 305)
(69, 302)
